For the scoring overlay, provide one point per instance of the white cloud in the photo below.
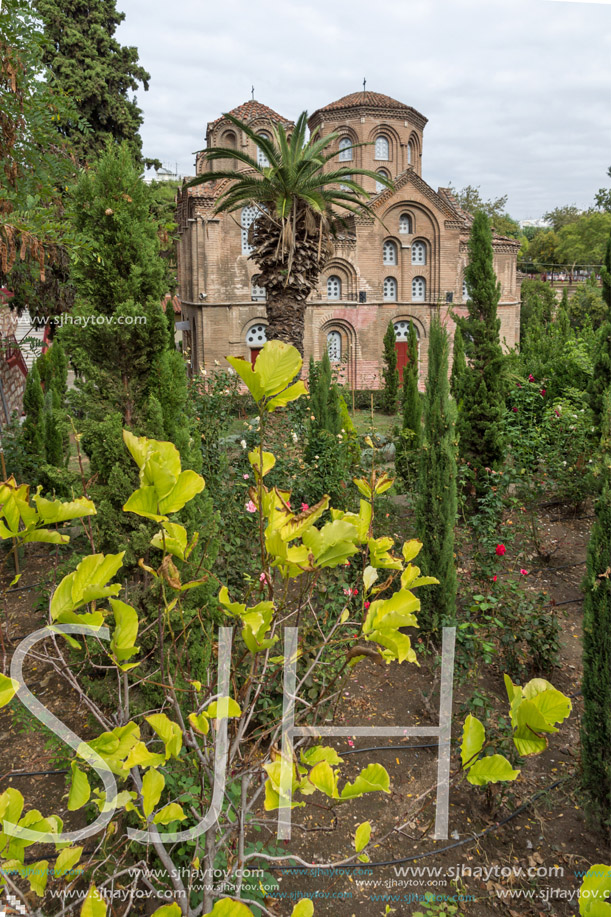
(516, 91)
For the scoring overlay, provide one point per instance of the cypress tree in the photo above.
(33, 406)
(437, 502)
(91, 67)
(596, 684)
(480, 420)
(410, 435)
(324, 400)
(58, 363)
(54, 446)
(390, 373)
(601, 377)
(459, 367)
(119, 343)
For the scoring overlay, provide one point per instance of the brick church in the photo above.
(402, 267)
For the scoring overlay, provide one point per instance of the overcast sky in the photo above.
(517, 92)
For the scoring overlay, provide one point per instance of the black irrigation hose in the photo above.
(356, 751)
(42, 582)
(33, 773)
(429, 853)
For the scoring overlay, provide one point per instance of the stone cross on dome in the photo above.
(252, 90)
(364, 84)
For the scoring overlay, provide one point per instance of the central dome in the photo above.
(375, 104)
(366, 99)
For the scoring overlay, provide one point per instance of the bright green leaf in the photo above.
(153, 783)
(492, 769)
(80, 791)
(362, 836)
(473, 738)
(93, 905)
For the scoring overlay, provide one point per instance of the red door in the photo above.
(254, 353)
(402, 360)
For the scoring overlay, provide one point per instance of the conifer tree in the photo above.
(459, 367)
(390, 372)
(596, 685)
(91, 67)
(410, 435)
(33, 407)
(437, 501)
(480, 420)
(324, 399)
(601, 376)
(54, 446)
(129, 373)
(563, 316)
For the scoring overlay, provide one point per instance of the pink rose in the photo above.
(250, 507)
(524, 572)
(500, 550)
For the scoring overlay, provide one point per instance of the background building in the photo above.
(401, 266)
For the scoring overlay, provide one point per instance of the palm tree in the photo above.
(301, 208)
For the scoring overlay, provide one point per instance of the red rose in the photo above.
(542, 393)
(500, 549)
(531, 378)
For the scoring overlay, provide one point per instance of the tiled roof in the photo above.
(252, 109)
(368, 99)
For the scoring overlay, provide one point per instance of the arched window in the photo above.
(390, 289)
(410, 153)
(465, 292)
(382, 148)
(249, 215)
(418, 289)
(402, 330)
(256, 335)
(334, 287)
(258, 294)
(229, 139)
(379, 185)
(334, 346)
(389, 252)
(346, 187)
(262, 159)
(418, 253)
(345, 149)
(405, 223)
(255, 339)
(401, 346)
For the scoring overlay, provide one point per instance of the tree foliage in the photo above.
(119, 341)
(596, 685)
(471, 200)
(480, 419)
(34, 173)
(410, 434)
(437, 498)
(603, 196)
(584, 241)
(91, 67)
(390, 371)
(600, 382)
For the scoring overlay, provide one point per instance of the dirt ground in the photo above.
(550, 836)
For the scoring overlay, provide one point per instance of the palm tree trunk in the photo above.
(286, 318)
